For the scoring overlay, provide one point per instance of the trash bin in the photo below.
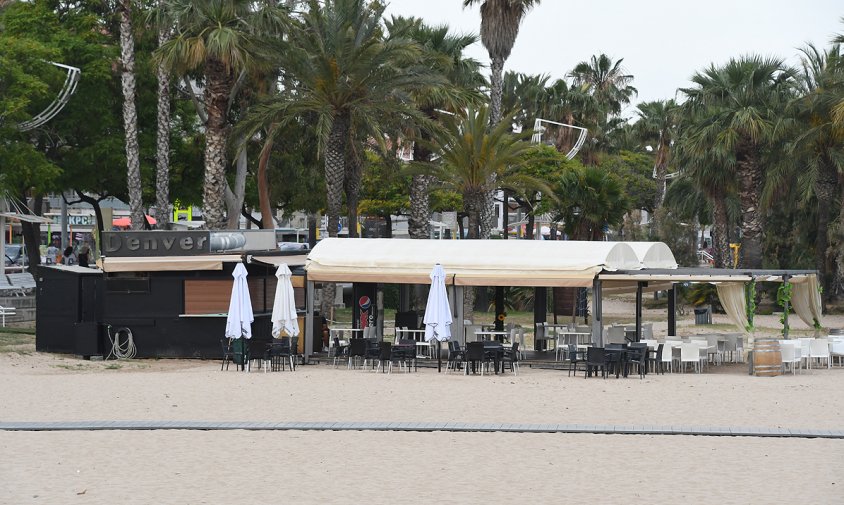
(703, 315)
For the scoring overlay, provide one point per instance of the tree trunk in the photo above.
(720, 241)
(32, 234)
(162, 141)
(750, 193)
(388, 221)
(661, 166)
(473, 204)
(496, 89)
(351, 183)
(335, 171)
(234, 199)
(418, 222)
(217, 90)
(826, 186)
(486, 213)
(130, 116)
(264, 184)
(531, 223)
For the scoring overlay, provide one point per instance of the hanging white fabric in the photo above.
(806, 301)
(732, 297)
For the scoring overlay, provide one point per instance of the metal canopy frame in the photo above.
(536, 138)
(52, 110)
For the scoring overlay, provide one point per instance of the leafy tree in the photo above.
(500, 21)
(740, 107)
(590, 200)
(384, 191)
(657, 126)
(224, 40)
(636, 170)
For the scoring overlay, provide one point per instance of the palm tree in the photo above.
(162, 135)
(500, 21)
(817, 148)
(442, 53)
(470, 154)
(349, 82)
(741, 104)
(224, 39)
(606, 81)
(130, 116)
(590, 199)
(657, 125)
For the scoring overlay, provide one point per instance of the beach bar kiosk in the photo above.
(170, 289)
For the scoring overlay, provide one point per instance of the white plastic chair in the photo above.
(819, 347)
(668, 354)
(690, 353)
(806, 350)
(788, 350)
(836, 349)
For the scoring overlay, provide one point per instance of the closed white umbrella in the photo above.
(284, 305)
(240, 318)
(438, 312)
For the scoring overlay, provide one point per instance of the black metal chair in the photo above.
(338, 351)
(228, 353)
(385, 355)
(456, 355)
(656, 360)
(596, 358)
(357, 349)
(637, 355)
(573, 357)
(475, 353)
(278, 352)
(511, 356)
(408, 350)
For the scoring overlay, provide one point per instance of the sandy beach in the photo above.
(384, 467)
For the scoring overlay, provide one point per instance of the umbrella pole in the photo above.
(439, 357)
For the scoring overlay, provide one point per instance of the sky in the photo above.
(663, 42)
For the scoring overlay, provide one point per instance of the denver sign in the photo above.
(155, 243)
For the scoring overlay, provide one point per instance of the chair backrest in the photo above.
(668, 351)
(819, 347)
(385, 350)
(595, 355)
(357, 347)
(474, 351)
(787, 351)
(689, 352)
(294, 345)
(659, 352)
(515, 352)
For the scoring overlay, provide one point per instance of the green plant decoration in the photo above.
(784, 293)
(750, 297)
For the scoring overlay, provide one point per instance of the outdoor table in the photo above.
(492, 335)
(423, 349)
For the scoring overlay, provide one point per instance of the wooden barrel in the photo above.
(767, 360)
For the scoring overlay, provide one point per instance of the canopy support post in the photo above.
(639, 286)
(672, 311)
(597, 318)
(540, 314)
(309, 321)
(499, 307)
(458, 311)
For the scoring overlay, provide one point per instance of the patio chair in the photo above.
(572, 357)
(512, 356)
(408, 352)
(655, 361)
(638, 355)
(543, 335)
(385, 355)
(788, 351)
(456, 356)
(279, 352)
(357, 349)
(819, 348)
(836, 350)
(475, 354)
(228, 353)
(337, 351)
(690, 353)
(596, 358)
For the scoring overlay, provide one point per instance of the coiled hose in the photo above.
(125, 350)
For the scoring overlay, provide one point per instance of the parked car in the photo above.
(16, 255)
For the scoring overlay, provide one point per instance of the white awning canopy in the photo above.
(471, 262)
(167, 263)
(295, 260)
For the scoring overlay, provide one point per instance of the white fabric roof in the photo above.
(471, 262)
(654, 254)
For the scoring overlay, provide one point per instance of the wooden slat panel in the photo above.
(207, 296)
(256, 294)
